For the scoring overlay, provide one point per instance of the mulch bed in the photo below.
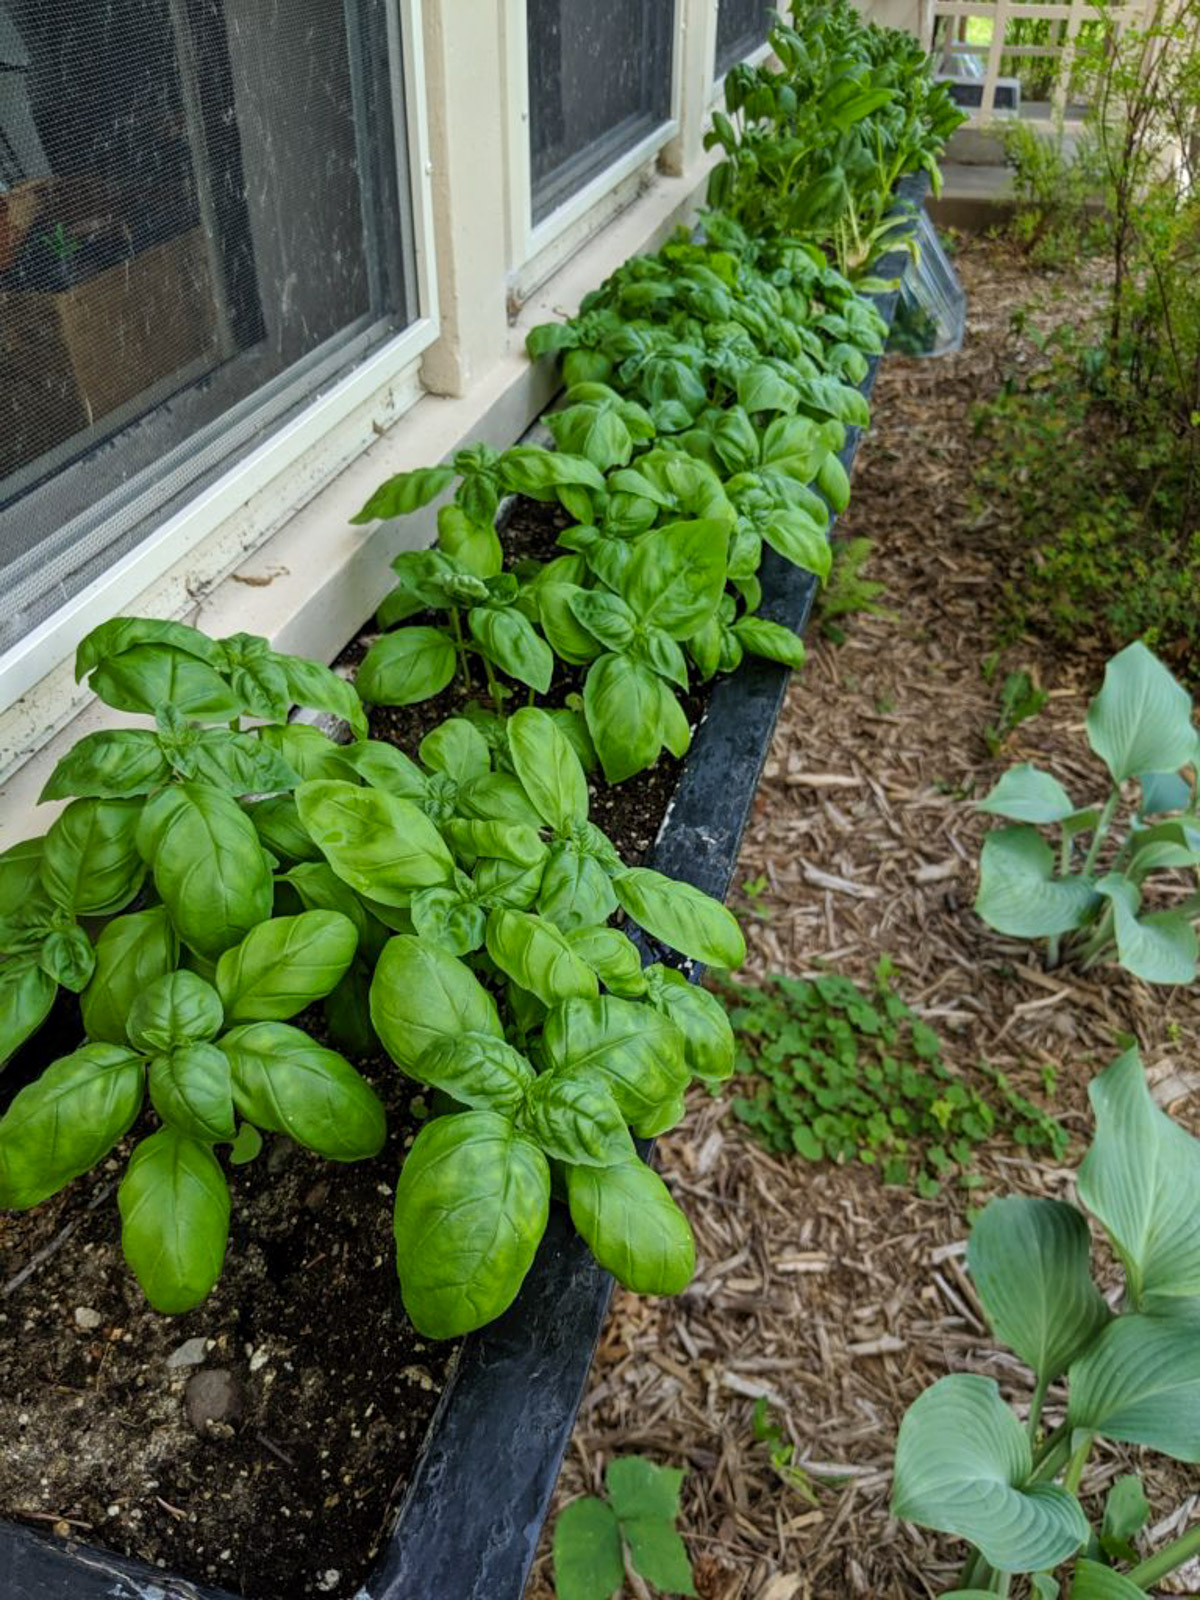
(838, 1298)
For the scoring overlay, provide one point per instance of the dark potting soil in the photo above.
(262, 1442)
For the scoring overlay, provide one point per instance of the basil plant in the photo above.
(504, 987)
(1089, 891)
(163, 801)
(221, 1064)
(966, 1466)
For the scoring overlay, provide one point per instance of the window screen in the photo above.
(599, 83)
(741, 28)
(202, 223)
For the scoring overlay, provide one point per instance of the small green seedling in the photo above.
(1020, 699)
(594, 1537)
(782, 1452)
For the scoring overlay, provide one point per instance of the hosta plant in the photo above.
(221, 1064)
(966, 1466)
(1089, 891)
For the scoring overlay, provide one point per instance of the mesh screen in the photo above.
(201, 225)
(599, 83)
(741, 28)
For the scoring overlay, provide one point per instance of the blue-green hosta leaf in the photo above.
(1141, 1178)
(961, 1459)
(1161, 947)
(1029, 1262)
(1018, 893)
(1026, 794)
(1141, 721)
(1163, 792)
(1094, 1582)
(1140, 1382)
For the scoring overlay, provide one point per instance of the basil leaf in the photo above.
(191, 1090)
(277, 824)
(575, 892)
(152, 675)
(67, 957)
(471, 1207)
(510, 642)
(27, 993)
(772, 640)
(628, 1045)
(677, 575)
(420, 994)
(308, 751)
(501, 841)
(621, 701)
(320, 689)
(450, 918)
(131, 952)
(286, 1083)
(127, 761)
(21, 878)
(537, 473)
(381, 845)
(239, 763)
(498, 797)
(547, 768)
(535, 955)
(577, 1120)
(681, 916)
(632, 1226)
(320, 889)
(90, 860)
(180, 1008)
(507, 884)
(477, 1070)
(614, 959)
(405, 493)
(457, 748)
(709, 1048)
(66, 1121)
(114, 637)
(209, 869)
(384, 767)
(174, 1205)
(405, 667)
(474, 545)
(284, 965)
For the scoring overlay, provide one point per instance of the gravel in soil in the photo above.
(838, 1299)
(263, 1441)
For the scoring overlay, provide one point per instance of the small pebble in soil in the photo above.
(214, 1402)
(328, 1581)
(189, 1354)
(87, 1318)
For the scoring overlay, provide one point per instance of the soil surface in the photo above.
(262, 1442)
(838, 1299)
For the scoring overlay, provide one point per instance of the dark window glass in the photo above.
(201, 224)
(599, 83)
(741, 28)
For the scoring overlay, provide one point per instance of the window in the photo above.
(203, 223)
(599, 84)
(741, 28)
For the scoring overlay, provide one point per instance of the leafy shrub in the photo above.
(848, 590)
(638, 1515)
(964, 1463)
(844, 1074)
(1140, 725)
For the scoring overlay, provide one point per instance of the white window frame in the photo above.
(529, 241)
(54, 641)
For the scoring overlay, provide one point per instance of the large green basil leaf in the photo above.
(681, 916)
(306, 750)
(192, 1091)
(517, 842)
(510, 642)
(320, 889)
(240, 763)
(150, 675)
(605, 616)
(209, 869)
(457, 748)
(1029, 1261)
(383, 767)
(119, 634)
(530, 470)
(257, 678)
(478, 1070)
(420, 994)
(577, 1120)
(474, 545)
(174, 1204)
(632, 1226)
(277, 823)
(507, 884)
(498, 797)
(548, 768)
(770, 640)
(21, 878)
(677, 575)
(131, 952)
(285, 1083)
(67, 956)
(1141, 1178)
(624, 715)
(471, 1208)
(575, 891)
(709, 1047)
(406, 492)
(125, 761)
(535, 955)
(567, 636)
(381, 845)
(452, 918)
(629, 1045)
(284, 965)
(320, 689)
(179, 1008)
(90, 860)
(613, 957)
(407, 666)
(1141, 721)
(963, 1463)
(66, 1121)
(26, 995)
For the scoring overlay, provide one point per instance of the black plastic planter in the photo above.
(469, 1524)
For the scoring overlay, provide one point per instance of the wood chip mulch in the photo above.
(837, 1298)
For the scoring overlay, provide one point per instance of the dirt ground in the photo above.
(837, 1298)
